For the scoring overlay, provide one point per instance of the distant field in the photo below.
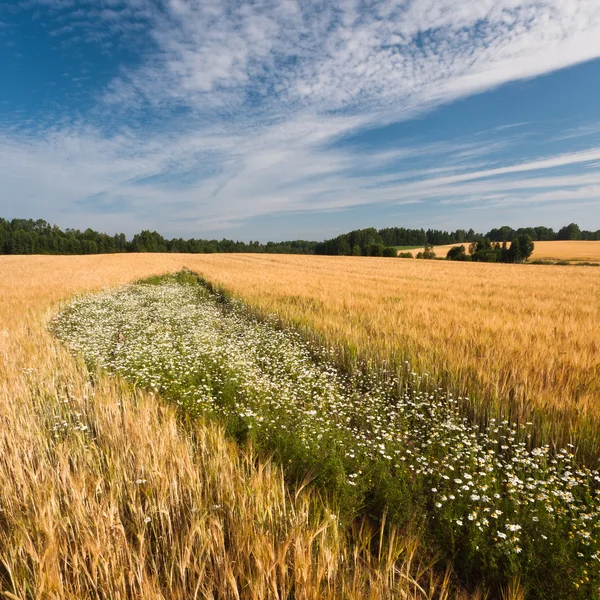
(440, 251)
(567, 250)
(571, 251)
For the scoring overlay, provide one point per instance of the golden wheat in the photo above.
(137, 506)
(575, 251)
(104, 494)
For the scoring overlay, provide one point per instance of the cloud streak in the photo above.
(248, 102)
(354, 55)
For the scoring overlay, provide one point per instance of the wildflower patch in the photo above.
(485, 498)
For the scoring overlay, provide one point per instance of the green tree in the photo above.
(521, 249)
(21, 242)
(504, 234)
(149, 241)
(428, 253)
(569, 232)
(485, 251)
(345, 248)
(375, 249)
(458, 253)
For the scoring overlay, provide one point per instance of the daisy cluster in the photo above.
(494, 503)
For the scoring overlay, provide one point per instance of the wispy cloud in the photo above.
(247, 100)
(355, 55)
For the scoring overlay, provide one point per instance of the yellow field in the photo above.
(103, 494)
(567, 250)
(572, 251)
(524, 338)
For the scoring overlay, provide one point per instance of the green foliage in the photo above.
(405, 255)
(521, 249)
(149, 241)
(361, 242)
(503, 234)
(428, 253)
(458, 253)
(183, 277)
(569, 232)
(26, 236)
(375, 249)
(400, 236)
(487, 251)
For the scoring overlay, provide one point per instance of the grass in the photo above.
(106, 493)
(495, 506)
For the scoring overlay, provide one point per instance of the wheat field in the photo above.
(576, 251)
(523, 338)
(105, 494)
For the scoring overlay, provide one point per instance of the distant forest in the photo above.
(371, 242)
(28, 236)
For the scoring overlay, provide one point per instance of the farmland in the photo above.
(103, 492)
(573, 251)
(381, 447)
(520, 341)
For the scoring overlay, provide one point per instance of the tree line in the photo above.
(384, 242)
(28, 236)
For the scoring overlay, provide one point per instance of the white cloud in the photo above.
(268, 86)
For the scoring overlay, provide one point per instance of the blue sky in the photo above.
(284, 119)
